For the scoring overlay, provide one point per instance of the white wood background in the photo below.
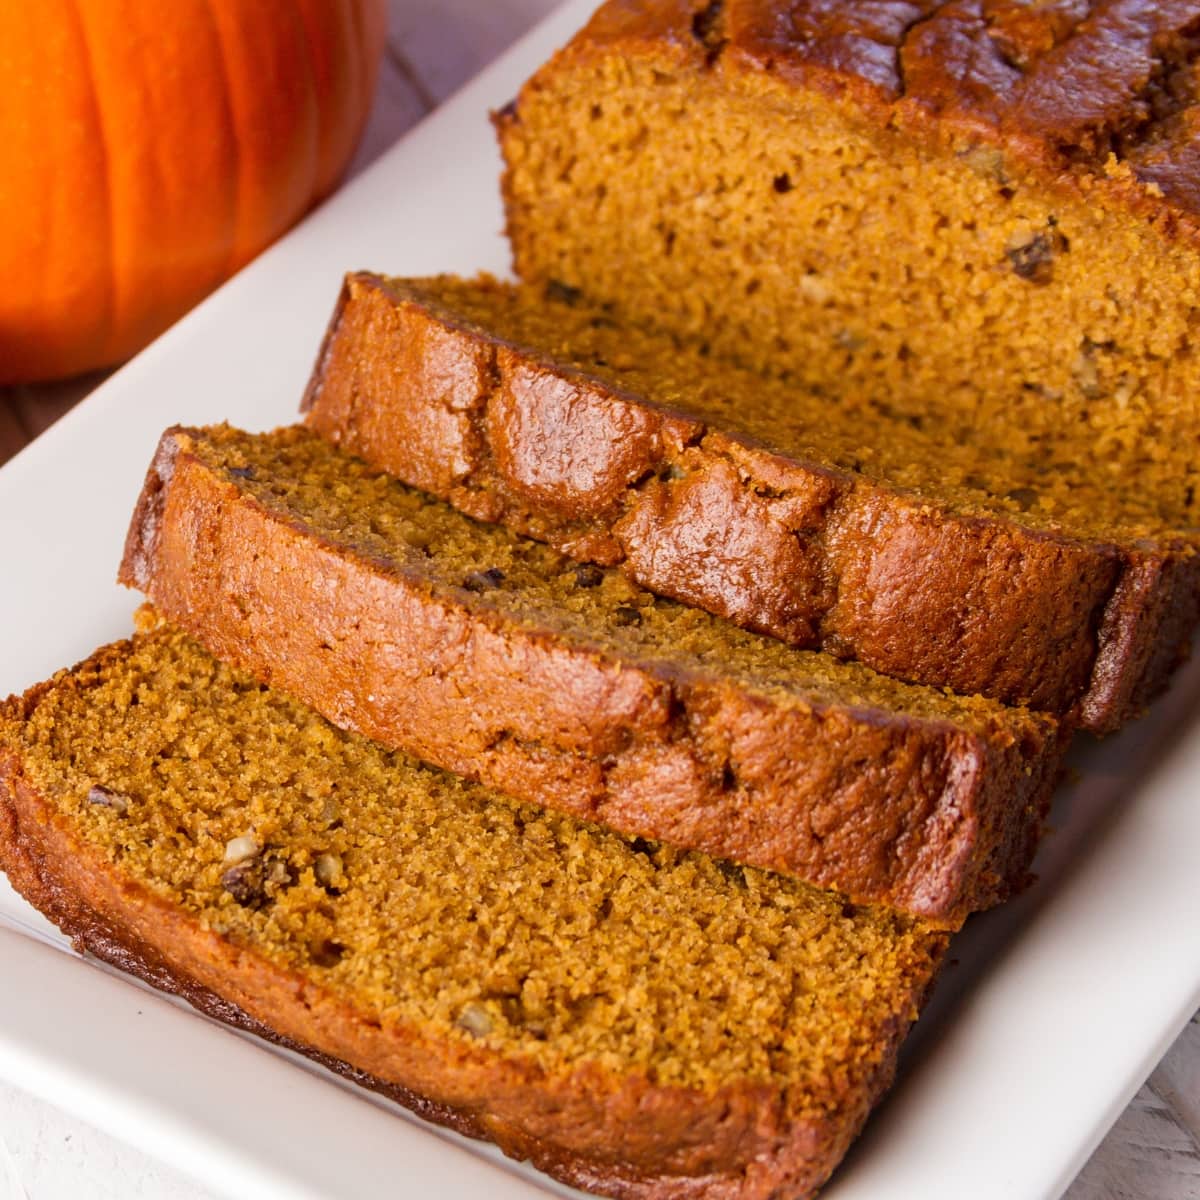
(1153, 1152)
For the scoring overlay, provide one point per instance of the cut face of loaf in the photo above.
(984, 217)
(637, 1021)
(491, 655)
(921, 548)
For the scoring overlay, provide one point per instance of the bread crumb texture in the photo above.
(428, 901)
(929, 235)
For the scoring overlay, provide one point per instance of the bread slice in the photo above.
(493, 656)
(871, 533)
(637, 1021)
(984, 217)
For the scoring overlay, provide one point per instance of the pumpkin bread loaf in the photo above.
(637, 1021)
(985, 215)
(928, 552)
(493, 656)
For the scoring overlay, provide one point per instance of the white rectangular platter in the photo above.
(1053, 1011)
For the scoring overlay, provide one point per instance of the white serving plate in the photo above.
(1055, 1009)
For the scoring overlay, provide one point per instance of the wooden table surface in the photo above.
(1153, 1151)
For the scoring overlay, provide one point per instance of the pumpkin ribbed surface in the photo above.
(148, 151)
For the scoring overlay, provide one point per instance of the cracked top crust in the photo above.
(1100, 92)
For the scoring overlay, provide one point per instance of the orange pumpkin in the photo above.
(149, 148)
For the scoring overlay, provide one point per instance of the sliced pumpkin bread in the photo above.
(492, 655)
(928, 551)
(638, 1021)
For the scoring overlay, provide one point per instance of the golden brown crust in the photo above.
(1076, 91)
(622, 1136)
(885, 806)
(1149, 621)
(812, 555)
